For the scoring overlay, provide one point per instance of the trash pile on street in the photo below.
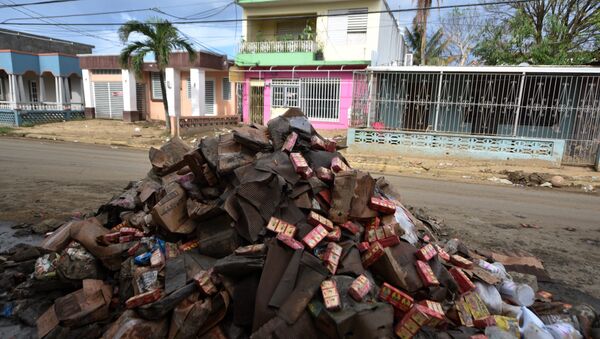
(268, 232)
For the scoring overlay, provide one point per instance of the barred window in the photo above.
(156, 91)
(320, 98)
(226, 89)
(284, 93)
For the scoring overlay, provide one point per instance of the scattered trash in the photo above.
(588, 188)
(530, 226)
(546, 184)
(557, 181)
(501, 181)
(266, 232)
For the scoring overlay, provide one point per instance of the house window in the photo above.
(156, 91)
(320, 98)
(33, 91)
(357, 21)
(284, 93)
(226, 89)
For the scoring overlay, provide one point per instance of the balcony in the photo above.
(293, 46)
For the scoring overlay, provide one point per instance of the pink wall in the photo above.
(345, 94)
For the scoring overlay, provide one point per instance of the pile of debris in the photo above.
(267, 232)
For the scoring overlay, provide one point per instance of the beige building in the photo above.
(201, 88)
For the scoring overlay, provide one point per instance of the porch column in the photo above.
(173, 85)
(41, 90)
(12, 91)
(66, 90)
(59, 91)
(90, 107)
(130, 112)
(20, 89)
(197, 78)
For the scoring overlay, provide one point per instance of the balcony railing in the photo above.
(42, 106)
(291, 46)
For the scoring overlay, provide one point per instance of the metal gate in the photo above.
(109, 100)
(513, 102)
(257, 104)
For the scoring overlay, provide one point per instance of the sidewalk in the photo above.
(146, 134)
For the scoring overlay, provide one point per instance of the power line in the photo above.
(288, 16)
(35, 3)
(55, 23)
(76, 15)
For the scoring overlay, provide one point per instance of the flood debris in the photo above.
(268, 232)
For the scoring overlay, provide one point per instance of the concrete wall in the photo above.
(38, 44)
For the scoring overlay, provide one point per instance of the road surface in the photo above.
(47, 179)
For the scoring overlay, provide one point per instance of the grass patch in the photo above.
(5, 130)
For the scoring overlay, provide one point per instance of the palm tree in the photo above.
(421, 22)
(161, 37)
(435, 47)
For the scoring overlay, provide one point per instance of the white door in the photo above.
(109, 100)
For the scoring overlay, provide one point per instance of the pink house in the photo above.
(293, 55)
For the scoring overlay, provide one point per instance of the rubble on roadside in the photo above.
(268, 232)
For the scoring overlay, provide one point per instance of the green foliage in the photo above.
(160, 37)
(435, 46)
(555, 40)
(5, 130)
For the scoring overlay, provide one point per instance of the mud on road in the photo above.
(58, 180)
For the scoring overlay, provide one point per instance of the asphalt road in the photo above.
(68, 162)
(60, 177)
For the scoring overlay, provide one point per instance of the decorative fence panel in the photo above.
(30, 118)
(291, 46)
(527, 104)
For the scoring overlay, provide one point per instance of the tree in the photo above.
(421, 22)
(558, 32)
(161, 37)
(462, 29)
(435, 47)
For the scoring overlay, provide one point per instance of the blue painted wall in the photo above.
(19, 63)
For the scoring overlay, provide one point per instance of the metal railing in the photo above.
(545, 106)
(318, 98)
(291, 46)
(42, 106)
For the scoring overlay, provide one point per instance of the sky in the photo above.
(220, 38)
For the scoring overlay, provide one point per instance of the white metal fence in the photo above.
(530, 105)
(291, 46)
(318, 98)
(42, 106)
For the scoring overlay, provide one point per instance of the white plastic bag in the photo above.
(490, 296)
(520, 294)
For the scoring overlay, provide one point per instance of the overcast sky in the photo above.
(221, 37)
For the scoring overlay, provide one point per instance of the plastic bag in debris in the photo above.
(563, 331)
(194, 317)
(129, 325)
(45, 266)
(76, 263)
(531, 326)
(490, 296)
(406, 224)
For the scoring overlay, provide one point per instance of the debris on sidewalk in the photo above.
(268, 232)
